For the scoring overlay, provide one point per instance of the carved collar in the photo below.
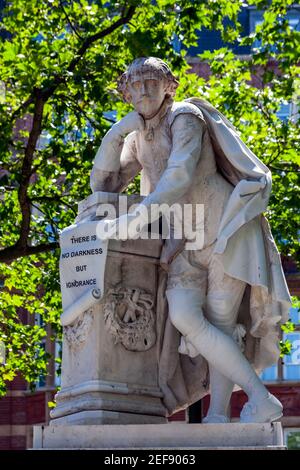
(153, 123)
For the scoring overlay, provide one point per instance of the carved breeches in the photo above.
(219, 294)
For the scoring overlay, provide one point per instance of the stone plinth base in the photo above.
(160, 436)
(106, 417)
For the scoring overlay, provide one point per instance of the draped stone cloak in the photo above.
(248, 252)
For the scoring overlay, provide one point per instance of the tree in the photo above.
(59, 63)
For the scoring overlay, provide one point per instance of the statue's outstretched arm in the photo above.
(187, 131)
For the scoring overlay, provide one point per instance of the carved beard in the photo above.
(148, 107)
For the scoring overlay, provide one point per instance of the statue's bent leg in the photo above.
(222, 306)
(186, 314)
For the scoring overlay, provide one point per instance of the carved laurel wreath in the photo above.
(129, 317)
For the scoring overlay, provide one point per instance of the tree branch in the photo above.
(39, 96)
(26, 169)
(9, 254)
(22, 107)
(75, 105)
(53, 199)
(84, 47)
(47, 92)
(69, 21)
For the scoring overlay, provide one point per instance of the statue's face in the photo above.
(147, 92)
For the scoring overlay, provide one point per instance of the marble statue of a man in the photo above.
(188, 153)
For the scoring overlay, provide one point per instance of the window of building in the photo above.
(39, 321)
(270, 374)
(2, 352)
(288, 368)
(41, 381)
(58, 356)
(111, 116)
(285, 111)
(53, 379)
(2, 92)
(292, 438)
(291, 362)
(256, 17)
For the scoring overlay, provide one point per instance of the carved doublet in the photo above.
(153, 149)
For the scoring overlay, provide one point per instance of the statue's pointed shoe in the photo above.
(265, 410)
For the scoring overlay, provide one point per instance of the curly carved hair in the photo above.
(152, 65)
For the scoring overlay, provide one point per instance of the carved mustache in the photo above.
(145, 98)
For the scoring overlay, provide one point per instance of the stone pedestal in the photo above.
(169, 436)
(109, 365)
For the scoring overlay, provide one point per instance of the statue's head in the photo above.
(146, 83)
